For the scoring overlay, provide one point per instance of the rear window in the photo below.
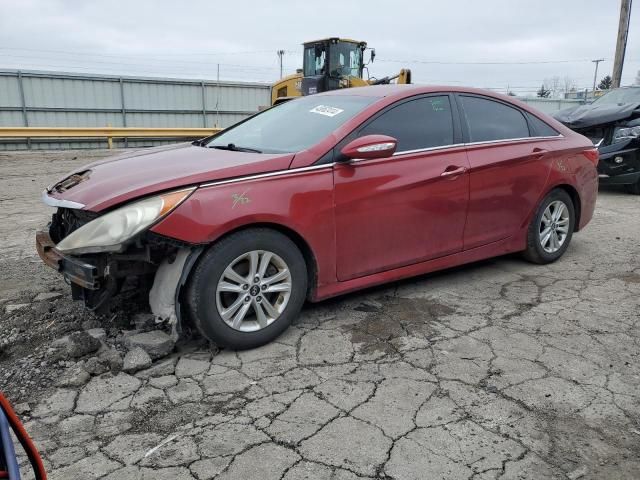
(489, 120)
(295, 125)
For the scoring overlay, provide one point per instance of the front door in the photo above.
(407, 208)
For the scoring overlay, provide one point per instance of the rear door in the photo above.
(409, 207)
(508, 168)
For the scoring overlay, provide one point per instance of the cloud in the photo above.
(190, 38)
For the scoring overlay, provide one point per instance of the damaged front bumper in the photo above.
(160, 265)
(619, 157)
(73, 269)
(619, 163)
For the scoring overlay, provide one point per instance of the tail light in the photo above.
(592, 154)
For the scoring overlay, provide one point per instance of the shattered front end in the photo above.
(96, 253)
(620, 159)
(612, 123)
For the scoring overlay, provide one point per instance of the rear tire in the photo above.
(551, 228)
(247, 288)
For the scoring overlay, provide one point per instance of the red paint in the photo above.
(397, 211)
(370, 221)
(135, 174)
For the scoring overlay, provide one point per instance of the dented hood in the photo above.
(114, 180)
(595, 114)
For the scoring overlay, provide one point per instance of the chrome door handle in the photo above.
(451, 171)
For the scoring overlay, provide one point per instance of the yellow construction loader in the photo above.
(329, 64)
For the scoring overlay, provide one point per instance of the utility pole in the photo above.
(621, 44)
(595, 74)
(280, 55)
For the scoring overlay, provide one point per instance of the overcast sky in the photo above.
(189, 38)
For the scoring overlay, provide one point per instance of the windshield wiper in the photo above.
(235, 148)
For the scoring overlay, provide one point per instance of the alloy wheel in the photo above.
(253, 290)
(554, 226)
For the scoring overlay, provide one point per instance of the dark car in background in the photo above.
(612, 123)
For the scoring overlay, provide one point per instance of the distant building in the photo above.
(583, 94)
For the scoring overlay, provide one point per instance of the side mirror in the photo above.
(373, 55)
(369, 147)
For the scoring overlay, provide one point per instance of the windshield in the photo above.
(619, 96)
(292, 126)
(345, 60)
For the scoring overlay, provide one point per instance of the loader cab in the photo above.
(328, 64)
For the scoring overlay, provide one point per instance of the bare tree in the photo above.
(543, 92)
(568, 85)
(552, 85)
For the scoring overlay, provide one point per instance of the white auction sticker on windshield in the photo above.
(328, 111)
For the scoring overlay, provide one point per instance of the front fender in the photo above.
(299, 201)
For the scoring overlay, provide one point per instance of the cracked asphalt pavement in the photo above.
(499, 369)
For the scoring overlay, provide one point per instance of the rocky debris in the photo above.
(9, 338)
(112, 358)
(22, 408)
(136, 359)
(15, 307)
(156, 343)
(91, 323)
(144, 321)
(42, 296)
(578, 473)
(75, 345)
(76, 376)
(98, 333)
(95, 366)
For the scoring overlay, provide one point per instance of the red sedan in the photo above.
(320, 196)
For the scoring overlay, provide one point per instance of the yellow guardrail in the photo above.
(104, 132)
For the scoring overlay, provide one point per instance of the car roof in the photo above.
(401, 91)
(395, 92)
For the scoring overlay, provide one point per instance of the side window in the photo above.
(489, 120)
(540, 128)
(421, 123)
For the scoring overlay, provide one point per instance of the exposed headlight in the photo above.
(625, 133)
(108, 232)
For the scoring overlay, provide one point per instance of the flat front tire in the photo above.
(551, 228)
(247, 288)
